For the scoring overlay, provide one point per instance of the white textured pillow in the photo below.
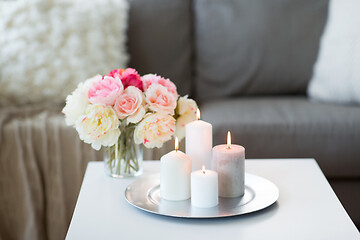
(48, 46)
(336, 76)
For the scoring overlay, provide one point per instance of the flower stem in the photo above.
(122, 159)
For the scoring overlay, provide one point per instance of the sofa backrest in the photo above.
(160, 39)
(240, 47)
(256, 47)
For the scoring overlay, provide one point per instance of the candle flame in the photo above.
(228, 140)
(203, 169)
(198, 114)
(176, 144)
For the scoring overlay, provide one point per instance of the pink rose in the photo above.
(128, 77)
(160, 99)
(105, 91)
(150, 79)
(129, 104)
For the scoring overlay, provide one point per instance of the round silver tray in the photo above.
(145, 195)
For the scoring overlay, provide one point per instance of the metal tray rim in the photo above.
(260, 193)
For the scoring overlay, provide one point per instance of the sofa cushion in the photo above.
(160, 40)
(291, 127)
(336, 75)
(256, 47)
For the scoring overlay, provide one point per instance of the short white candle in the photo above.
(199, 143)
(204, 188)
(175, 175)
(229, 162)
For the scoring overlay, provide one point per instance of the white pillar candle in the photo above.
(199, 143)
(175, 175)
(204, 188)
(229, 163)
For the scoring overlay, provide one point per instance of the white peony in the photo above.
(185, 105)
(99, 126)
(77, 102)
(154, 130)
(186, 109)
(181, 123)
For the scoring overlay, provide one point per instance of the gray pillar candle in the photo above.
(229, 163)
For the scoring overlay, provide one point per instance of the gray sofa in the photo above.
(247, 63)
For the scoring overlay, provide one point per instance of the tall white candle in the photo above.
(204, 188)
(175, 175)
(229, 162)
(199, 143)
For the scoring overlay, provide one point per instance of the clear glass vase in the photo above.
(125, 158)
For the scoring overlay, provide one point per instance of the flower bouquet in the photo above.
(123, 110)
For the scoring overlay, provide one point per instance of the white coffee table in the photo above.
(306, 209)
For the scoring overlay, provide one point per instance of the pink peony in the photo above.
(128, 77)
(105, 91)
(160, 99)
(129, 104)
(115, 73)
(150, 79)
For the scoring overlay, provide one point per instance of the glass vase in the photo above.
(125, 158)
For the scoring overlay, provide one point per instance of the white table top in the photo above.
(306, 209)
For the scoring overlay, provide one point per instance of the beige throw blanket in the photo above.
(42, 164)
